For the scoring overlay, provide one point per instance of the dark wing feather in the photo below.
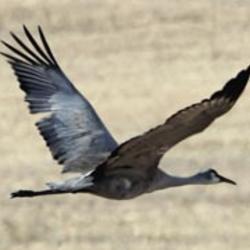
(74, 133)
(144, 152)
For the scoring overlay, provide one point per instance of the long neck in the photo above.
(163, 180)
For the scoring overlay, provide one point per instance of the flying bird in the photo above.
(79, 140)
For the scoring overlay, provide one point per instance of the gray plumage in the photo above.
(74, 133)
(79, 140)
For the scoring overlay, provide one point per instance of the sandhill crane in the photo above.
(79, 140)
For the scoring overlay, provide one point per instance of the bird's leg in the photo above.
(31, 193)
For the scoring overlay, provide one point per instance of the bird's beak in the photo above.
(226, 180)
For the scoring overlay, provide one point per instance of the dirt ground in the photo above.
(137, 62)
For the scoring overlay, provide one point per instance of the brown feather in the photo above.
(145, 151)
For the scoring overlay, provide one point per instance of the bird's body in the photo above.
(79, 140)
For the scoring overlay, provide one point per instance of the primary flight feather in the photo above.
(79, 140)
(74, 133)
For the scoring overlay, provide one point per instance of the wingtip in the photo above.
(26, 30)
(233, 89)
(12, 33)
(4, 54)
(248, 70)
(3, 42)
(39, 28)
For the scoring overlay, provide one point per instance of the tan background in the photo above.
(137, 62)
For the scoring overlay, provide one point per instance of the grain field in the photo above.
(137, 62)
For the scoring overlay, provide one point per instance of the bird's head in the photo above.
(211, 176)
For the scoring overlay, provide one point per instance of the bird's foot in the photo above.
(22, 193)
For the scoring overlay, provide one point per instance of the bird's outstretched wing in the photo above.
(145, 151)
(74, 133)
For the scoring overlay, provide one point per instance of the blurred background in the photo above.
(137, 62)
